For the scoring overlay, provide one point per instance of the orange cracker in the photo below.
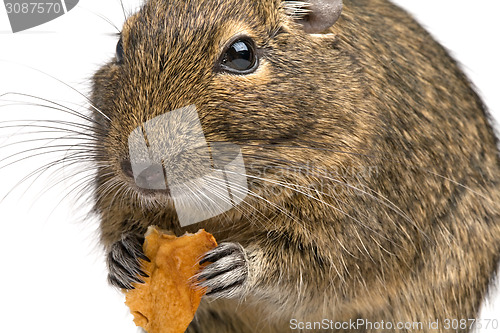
(167, 302)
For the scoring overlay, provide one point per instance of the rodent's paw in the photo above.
(228, 272)
(123, 262)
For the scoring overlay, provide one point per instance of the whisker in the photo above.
(275, 206)
(107, 20)
(65, 84)
(319, 200)
(85, 180)
(32, 123)
(49, 139)
(308, 147)
(62, 107)
(91, 138)
(57, 149)
(46, 129)
(60, 180)
(38, 171)
(243, 190)
(47, 123)
(458, 184)
(203, 202)
(381, 157)
(311, 236)
(245, 211)
(123, 10)
(382, 200)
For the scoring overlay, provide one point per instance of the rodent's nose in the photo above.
(151, 178)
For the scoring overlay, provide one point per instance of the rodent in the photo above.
(336, 89)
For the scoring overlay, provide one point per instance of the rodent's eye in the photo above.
(119, 51)
(240, 57)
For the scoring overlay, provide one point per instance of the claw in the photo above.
(120, 284)
(219, 292)
(143, 257)
(227, 273)
(221, 251)
(123, 262)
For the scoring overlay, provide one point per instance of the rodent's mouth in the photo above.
(151, 193)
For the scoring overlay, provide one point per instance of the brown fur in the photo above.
(377, 93)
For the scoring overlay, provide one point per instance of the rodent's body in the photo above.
(414, 235)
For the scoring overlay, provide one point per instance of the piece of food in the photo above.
(167, 301)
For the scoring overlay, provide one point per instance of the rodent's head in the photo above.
(259, 72)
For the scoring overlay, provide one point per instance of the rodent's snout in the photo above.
(151, 178)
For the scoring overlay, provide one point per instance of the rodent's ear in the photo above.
(315, 15)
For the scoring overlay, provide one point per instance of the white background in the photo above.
(53, 277)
